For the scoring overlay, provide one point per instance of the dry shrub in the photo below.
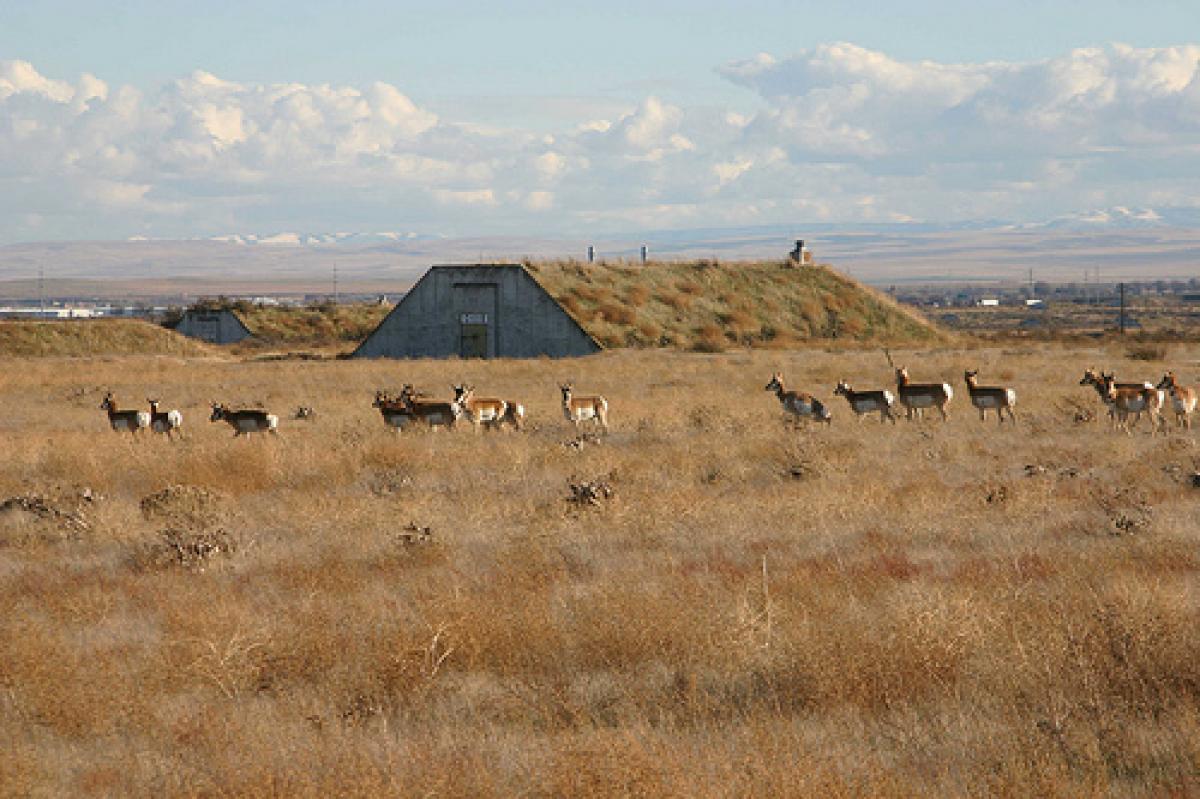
(674, 299)
(571, 303)
(709, 338)
(594, 295)
(649, 331)
(617, 314)
(637, 295)
(1146, 352)
(689, 287)
(741, 321)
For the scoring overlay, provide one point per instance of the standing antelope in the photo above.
(245, 421)
(1096, 380)
(169, 422)
(1183, 399)
(579, 409)
(994, 398)
(916, 397)
(395, 413)
(1139, 400)
(434, 413)
(480, 410)
(514, 414)
(124, 420)
(798, 403)
(864, 402)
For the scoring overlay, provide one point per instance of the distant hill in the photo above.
(706, 305)
(92, 337)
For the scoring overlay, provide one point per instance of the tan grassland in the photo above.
(757, 610)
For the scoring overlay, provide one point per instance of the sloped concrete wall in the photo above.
(215, 327)
(523, 320)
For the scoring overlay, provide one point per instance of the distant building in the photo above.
(216, 326)
(988, 302)
(477, 311)
(800, 254)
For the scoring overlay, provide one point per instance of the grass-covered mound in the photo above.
(91, 337)
(706, 305)
(324, 324)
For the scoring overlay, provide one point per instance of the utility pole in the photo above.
(335, 285)
(41, 290)
(1122, 318)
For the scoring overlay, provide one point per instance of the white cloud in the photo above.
(840, 133)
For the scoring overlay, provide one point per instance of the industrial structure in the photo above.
(477, 311)
(214, 325)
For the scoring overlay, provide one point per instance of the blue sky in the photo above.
(537, 116)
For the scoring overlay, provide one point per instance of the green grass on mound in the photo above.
(92, 337)
(708, 306)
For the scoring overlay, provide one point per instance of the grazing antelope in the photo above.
(434, 413)
(395, 413)
(169, 422)
(798, 403)
(995, 398)
(124, 420)
(916, 397)
(864, 402)
(1183, 399)
(480, 411)
(245, 421)
(1139, 400)
(579, 409)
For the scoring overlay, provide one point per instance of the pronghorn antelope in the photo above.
(395, 413)
(798, 403)
(916, 397)
(1139, 400)
(991, 398)
(579, 409)
(1183, 399)
(124, 420)
(480, 411)
(169, 422)
(514, 414)
(1096, 379)
(434, 413)
(245, 421)
(864, 402)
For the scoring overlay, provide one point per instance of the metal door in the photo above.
(473, 340)
(476, 307)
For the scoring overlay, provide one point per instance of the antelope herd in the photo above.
(1126, 404)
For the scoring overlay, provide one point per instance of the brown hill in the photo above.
(90, 337)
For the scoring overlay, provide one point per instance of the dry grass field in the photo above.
(756, 610)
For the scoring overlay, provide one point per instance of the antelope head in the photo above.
(566, 392)
(1168, 382)
(902, 376)
(776, 383)
(218, 412)
(843, 389)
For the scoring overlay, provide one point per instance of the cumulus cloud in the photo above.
(840, 133)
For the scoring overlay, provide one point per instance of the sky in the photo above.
(172, 120)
